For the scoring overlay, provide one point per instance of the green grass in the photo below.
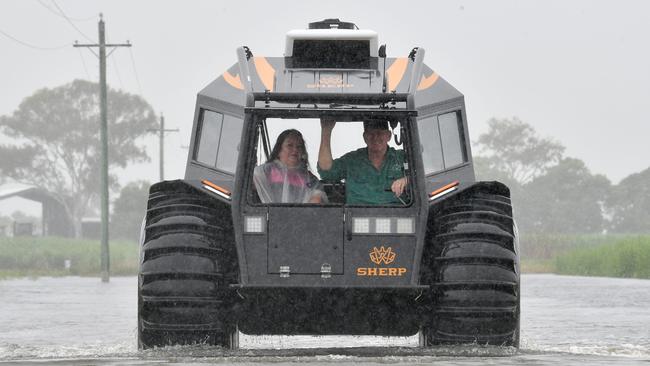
(539, 251)
(537, 266)
(546, 247)
(45, 256)
(628, 257)
(612, 255)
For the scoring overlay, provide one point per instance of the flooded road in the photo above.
(566, 320)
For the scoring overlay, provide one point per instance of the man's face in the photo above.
(377, 140)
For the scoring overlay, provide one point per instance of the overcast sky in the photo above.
(578, 71)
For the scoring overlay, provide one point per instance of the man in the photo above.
(374, 175)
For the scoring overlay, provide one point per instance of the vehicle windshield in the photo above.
(288, 171)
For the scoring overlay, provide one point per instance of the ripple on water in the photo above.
(87, 350)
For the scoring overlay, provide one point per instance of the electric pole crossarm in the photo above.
(88, 46)
(127, 44)
(114, 46)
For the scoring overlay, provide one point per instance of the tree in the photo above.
(129, 210)
(486, 171)
(55, 135)
(513, 148)
(629, 204)
(567, 199)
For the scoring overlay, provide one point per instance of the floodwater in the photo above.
(565, 320)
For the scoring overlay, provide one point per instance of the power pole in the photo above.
(161, 134)
(103, 128)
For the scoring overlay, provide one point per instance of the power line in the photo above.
(70, 21)
(59, 15)
(135, 71)
(31, 45)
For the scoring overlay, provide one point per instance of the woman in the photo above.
(285, 177)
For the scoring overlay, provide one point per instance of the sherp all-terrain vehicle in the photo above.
(215, 261)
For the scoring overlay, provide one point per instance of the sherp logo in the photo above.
(382, 255)
(379, 256)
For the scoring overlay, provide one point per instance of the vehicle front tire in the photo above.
(186, 265)
(472, 265)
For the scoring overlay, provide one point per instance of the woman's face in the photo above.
(291, 151)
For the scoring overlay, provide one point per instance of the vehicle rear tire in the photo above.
(472, 265)
(187, 262)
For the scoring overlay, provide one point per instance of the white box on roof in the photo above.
(332, 34)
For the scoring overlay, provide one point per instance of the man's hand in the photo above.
(398, 186)
(325, 160)
(327, 124)
(315, 199)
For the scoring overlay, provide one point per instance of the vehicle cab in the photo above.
(331, 71)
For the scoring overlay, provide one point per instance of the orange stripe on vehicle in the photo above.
(395, 72)
(218, 188)
(443, 188)
(265, 71)
(234, 81)
(426, 82)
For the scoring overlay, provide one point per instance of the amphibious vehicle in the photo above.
(216, 262)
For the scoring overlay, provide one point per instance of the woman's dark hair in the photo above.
(275, 153)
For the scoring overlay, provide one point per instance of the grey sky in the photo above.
(578, 71)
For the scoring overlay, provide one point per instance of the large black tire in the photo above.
(187, 262)
(472, 265)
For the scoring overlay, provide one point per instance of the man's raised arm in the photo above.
(325, 159)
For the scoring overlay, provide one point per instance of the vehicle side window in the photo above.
(218, 141)
(451, 136)
(208, 142)
(430, 144)
(441, 141)
(229, 144)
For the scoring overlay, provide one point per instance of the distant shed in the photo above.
(55, 220)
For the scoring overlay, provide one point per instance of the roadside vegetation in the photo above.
(46, 256)
(540, 251)
(614, 255)
(628, 257)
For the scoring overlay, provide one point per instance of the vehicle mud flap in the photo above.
(187, 263)
(471, 261)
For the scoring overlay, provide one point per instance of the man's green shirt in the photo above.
(364, 184)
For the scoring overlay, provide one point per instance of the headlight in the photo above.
(361, 225)
(383, 225)
(405, 225)
(254, 224)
